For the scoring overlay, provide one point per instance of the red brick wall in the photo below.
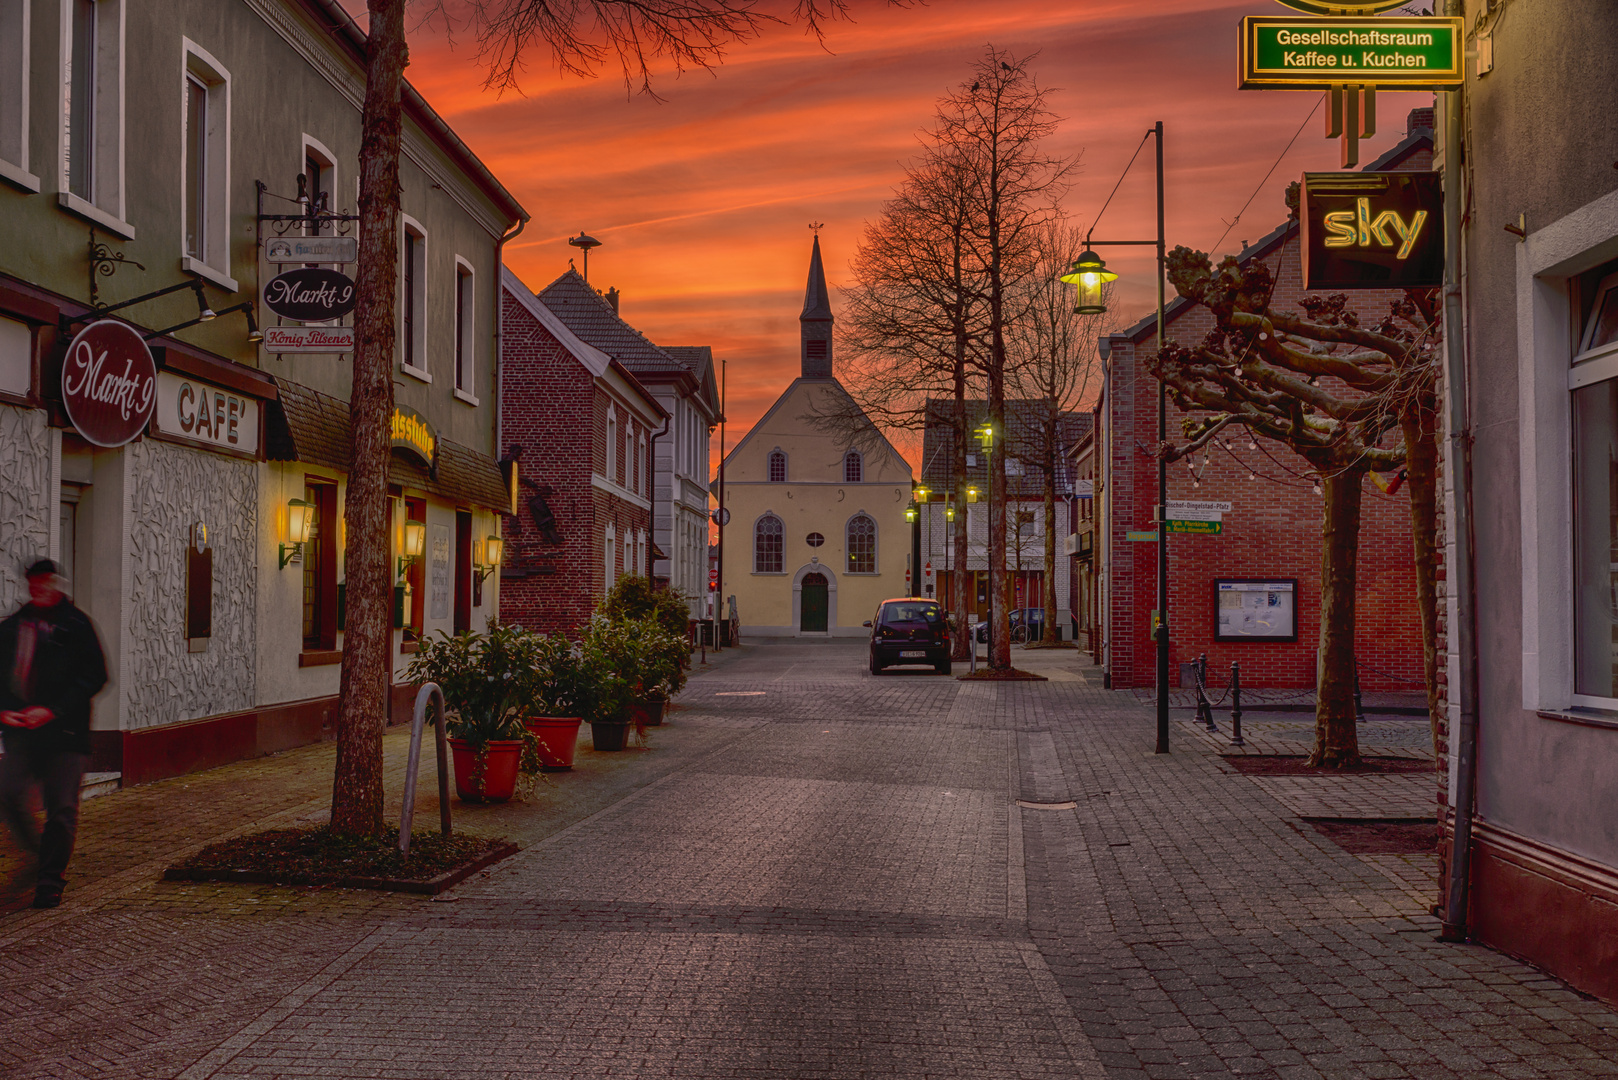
(1273, 531)
(556, 411)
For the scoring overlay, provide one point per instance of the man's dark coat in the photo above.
(68, 670)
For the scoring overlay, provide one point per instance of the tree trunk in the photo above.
(960, 586)
(999, 586)
(1052, 451)
(1336, 738)
(356, 800)
(1420, 429)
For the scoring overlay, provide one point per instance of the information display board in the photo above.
(1255, 609)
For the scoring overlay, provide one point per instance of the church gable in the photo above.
(802, 452)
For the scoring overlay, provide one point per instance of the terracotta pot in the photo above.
(648, 713)
(501, 759)
(558, 737)
(609, 734)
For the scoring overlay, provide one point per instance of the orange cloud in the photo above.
(702, 199)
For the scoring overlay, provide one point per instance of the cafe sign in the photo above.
(412, 433)
(308, 339)
(1279, 53)
(1372, 230)
(202, 413)
(312, 249)
(109, 383)
(310, 294)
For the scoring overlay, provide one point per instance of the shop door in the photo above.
(463, 571)
(813, 606)
(980, 604)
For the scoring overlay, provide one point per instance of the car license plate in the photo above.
(913, 654)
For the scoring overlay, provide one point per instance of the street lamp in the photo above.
(1089, 274)
(972, 493)
(913, 515)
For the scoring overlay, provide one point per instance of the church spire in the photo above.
(816, 320)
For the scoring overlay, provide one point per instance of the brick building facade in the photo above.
(1272, 532)
(581, 429)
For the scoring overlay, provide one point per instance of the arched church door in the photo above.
(812, 618)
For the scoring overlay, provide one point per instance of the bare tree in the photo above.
(579, 35)
(994, 128)
(1052, 359)
(1334, 392)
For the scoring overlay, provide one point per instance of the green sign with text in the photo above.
(1279, 53)
(1197, 528)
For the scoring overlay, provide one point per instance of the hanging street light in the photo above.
(1089, 275)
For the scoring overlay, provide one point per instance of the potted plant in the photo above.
(605, 655)
(657, 671)
(482, 677)
(556, 691)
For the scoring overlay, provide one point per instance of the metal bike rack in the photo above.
(427, 694)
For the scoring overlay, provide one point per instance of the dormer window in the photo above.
(853, 467)
(778, 467)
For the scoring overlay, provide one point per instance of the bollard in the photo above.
(1359, 703)
(1236, 704)
(1204, 706)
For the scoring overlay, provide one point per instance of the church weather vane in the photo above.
(816, 226)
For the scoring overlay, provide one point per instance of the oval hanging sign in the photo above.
(310, 294)
(109, 383)
(1342, 7)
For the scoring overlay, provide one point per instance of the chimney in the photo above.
(1419, 118)
(612, 298)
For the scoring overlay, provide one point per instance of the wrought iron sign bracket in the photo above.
(104, 262)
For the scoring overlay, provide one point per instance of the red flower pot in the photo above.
(558, 737)
(501, 759)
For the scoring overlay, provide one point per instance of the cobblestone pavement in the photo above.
(810, 872)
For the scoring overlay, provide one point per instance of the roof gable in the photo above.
(591, 317)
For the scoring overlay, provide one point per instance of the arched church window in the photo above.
(853, 467)
(767, 546)
(861, 544)
(778, 467)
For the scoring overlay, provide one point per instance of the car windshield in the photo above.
(894, 613)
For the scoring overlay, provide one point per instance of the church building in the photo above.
(817, 536)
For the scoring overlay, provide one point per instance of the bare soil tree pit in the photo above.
(1002, 675)
(1282, 765)
(313, 856)
(1380, 837)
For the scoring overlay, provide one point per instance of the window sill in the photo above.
(416, 373)
(19, 176)
(208, 273)
(1601, 718)
(90, 212)
(319, 657)
(769, 573)
(410, 647)
(462, 395)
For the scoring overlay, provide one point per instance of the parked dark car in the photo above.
(1027, 624)
(909, 631)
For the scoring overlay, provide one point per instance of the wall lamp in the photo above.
(985, 434)
(493, 548)
(300, 517)
(910, 513)
(972, 493)
(415, 542)
(949, 512)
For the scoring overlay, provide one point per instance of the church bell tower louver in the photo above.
(816, 321)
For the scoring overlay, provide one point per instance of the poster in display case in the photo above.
(1255, 609)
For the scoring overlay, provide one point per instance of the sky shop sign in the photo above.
(1373, 230)
(413, 434)
(1317, 54)
(109, 383)
(202, 413)
(310, 294)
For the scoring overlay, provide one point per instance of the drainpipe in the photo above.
(651, 487)
(1464, 748)
(499, 308)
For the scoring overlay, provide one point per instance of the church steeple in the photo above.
(816, 320)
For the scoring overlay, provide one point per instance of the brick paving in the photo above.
(810, 872)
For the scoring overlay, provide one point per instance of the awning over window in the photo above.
(306, 425)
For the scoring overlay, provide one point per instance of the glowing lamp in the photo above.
(972, 494)
(493, 548)
(910, 513)
(415, 542)
(1089, 275)
(300, 519)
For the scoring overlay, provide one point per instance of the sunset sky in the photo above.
(702, 200)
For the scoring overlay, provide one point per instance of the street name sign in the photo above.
(1141, 535)
(1198, 504)
(1279, 53)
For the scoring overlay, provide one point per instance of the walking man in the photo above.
(51, 665)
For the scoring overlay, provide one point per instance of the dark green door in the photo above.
(813, 607)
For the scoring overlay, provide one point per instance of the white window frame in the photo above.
(609, 556)
(643, 469)
(409, 226)
(1547, 260)
(105, 206)
(612, 445)
(312, 147)
(213, 264)
(465, 318)
(876, 545)
(786, 467)
(859, 461)
(753, 540)
(16, 32)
